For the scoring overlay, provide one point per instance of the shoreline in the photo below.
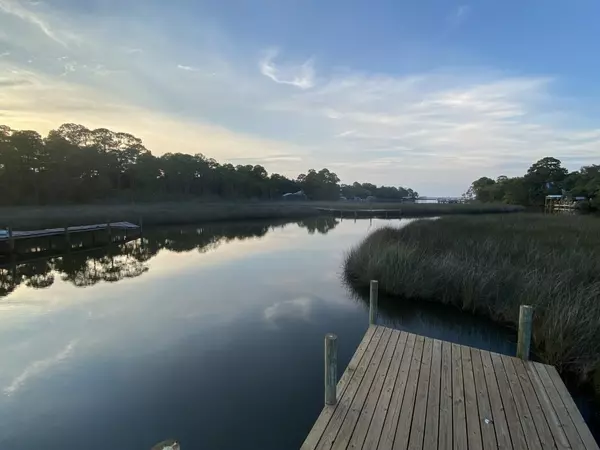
(183, 213)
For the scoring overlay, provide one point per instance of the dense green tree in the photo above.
(77, 164)
(321, 185)
(545, 177)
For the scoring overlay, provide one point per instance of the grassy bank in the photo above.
(492, 264)
(426, 209)
(188, 212)
(172, 213)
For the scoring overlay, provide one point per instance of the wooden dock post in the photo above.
(67, 238)
(373, 297)
(141, 224)
(524, 336)
(108, 231)
(330, 369)
(11, 240)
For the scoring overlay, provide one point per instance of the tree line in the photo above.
(545, 177)
(74, 164)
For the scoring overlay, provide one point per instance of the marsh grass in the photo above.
(490, 265)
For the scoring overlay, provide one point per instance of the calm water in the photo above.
(212, 335)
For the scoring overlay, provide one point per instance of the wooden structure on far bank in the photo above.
(556, 204)
(51, 240)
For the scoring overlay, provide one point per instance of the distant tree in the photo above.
(321, 185)
(76, 164)
(546, 176)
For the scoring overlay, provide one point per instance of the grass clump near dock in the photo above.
(491, 265)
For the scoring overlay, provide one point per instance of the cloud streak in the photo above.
(459, 16)
(301, 76)
(16, 9)
(38, 367)
(187, 68)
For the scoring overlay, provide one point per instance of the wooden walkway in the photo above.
(18, 235)
(404, 391)
(363, 212)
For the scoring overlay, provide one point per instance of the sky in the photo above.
(430, 95)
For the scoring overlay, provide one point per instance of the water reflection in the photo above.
(129, 260)
(440, 321)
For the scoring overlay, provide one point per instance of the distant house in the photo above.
(294, 196)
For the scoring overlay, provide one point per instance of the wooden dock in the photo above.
(356, 213)
(8, 241)
(18, 235)
(404, 391)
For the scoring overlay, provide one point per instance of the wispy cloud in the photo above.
(17, 9)
(187, 68)
(459, 16)
(36, 368)
(301, 76)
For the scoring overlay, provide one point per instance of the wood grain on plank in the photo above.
(391, 419)
(318, 428)
(563, 415)
(368, 411)
(537, 413)
(498, 413)
(433, 398)
(582, 428)
(556, 428)
(486, 422)
(383, 404)
(347, 427)
(445, 430)
(417, 429)
(472, 413)
(459, 428)
(510, 407)
(408, 402)
(529, 429)
(564, 418)
(343, 405)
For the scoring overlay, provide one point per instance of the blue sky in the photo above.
(428, 94)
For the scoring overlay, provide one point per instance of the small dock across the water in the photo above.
(405, 391)
(9, 240)
(357, 213)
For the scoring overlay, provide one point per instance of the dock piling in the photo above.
(11, 240)
(108, 231)
(373, 298)
(330, 369)
(524, 335)
(67, 238)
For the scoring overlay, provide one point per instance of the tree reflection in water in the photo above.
(129, 260)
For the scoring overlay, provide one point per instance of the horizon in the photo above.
(429, 96)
